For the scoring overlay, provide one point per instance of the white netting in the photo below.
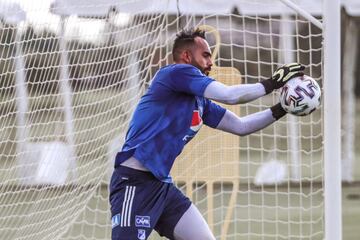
(69, 85)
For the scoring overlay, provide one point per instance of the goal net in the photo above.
(71, 75)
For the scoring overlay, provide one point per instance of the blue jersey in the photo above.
(167, 117)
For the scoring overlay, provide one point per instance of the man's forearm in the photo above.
(234, 94)
(251, 123)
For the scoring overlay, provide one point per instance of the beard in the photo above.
(205, 71)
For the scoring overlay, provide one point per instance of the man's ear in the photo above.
(186, 56)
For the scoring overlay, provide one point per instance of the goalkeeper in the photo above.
(176, 105)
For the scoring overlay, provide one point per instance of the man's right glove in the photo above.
(282, 75)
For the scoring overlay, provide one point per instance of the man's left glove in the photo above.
(282, 75)
(278, 111)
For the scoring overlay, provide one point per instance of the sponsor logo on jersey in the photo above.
(115, 220)
(141, 234)
(196, 124)
(196, 121)
(142, 221)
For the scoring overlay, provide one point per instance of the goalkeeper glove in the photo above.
(282, 75)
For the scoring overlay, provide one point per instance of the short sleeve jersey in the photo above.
(167, 117)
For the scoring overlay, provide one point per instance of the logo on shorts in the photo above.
(142, 221)
(141, 234)
(115, 220)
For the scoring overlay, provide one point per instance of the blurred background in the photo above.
(71, 74)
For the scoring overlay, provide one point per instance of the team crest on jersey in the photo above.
(141, 234)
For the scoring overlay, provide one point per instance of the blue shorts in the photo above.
(141, 203)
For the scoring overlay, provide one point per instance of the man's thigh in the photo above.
(192, 226)
(176, 205)
(136, 206)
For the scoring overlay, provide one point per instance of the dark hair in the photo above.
(185, 39)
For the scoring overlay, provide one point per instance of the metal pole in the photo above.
(66, 93)
(22, 100)
(302, 12)
(287, 45)
(349, 67)
(332, 120)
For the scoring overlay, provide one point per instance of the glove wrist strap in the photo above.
(268, 85)
(277, 111)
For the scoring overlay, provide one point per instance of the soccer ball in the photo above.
(300, 96)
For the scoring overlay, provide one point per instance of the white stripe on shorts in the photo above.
(131, 203)
(127, 205)
(123, 207)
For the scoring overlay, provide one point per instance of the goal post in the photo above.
(332, 120)
(72, 73)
